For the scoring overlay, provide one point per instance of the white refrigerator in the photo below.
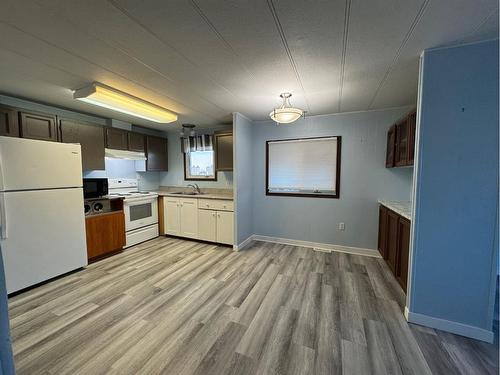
(42, 220)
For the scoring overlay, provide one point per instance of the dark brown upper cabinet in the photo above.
(40, 126)
(401, 154)
(9, 124)
(156, 153)
(224, 151)
(412, 124)
(136, 142)
(401, 142)
(116, 138)
(91, 139)
(391, 145)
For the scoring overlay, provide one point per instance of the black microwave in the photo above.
(95, 187)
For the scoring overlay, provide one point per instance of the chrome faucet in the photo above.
(196, 188)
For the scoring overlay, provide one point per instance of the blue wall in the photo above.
(364, 179)
(456, 192)
(244, 184)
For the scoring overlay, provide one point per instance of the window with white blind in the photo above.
(307, 167)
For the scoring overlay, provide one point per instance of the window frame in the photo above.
(186, 178)
(307, 195)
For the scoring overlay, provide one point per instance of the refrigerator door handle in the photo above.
(3, 217)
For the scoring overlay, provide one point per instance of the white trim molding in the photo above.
(314, 245)
(243, 244)
(449, 326)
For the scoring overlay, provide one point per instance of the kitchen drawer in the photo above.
(216, 204)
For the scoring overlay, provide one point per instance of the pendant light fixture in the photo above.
(286, 113)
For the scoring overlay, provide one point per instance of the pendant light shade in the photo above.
(286, 113)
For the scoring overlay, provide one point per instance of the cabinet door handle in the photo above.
(213, 214)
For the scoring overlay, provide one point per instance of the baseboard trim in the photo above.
(449, 326)
(317, 245)
(243, 244)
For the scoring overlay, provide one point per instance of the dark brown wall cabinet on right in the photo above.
(394, 243)
(91, 139)
(156, 153)
(9, 125)
(401, 142)
(39, 126)
(224, 151)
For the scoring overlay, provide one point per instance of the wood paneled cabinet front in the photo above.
(116, 138)
(9, 124)
(216, 225)
(105, 234)
(41, 126)
(136, 142)
(224, 151)
(91, 139)
(394, 243)
(401, 142)
(180, 217)
(156, 153)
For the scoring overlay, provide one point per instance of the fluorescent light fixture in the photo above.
(286, 113)
(108, 97)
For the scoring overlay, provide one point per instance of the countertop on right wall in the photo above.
(402, 208)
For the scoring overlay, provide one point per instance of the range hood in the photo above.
(123, 154)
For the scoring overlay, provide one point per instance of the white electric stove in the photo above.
(140, 208)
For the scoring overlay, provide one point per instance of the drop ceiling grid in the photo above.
(251, 31)
(376, 31)
(194, 37)
(118, 34)
(206, 59)
(314, 37)
(45, 50)
(442, 23)
(408, 35)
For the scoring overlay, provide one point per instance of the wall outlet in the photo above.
(342, 226)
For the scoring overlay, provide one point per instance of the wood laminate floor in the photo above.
(171, 306)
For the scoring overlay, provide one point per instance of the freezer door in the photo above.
(27, 164)
(43, 235)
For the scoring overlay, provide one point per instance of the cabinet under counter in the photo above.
(394, 239)
(197, 218)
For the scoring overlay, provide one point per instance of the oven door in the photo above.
(140, 213)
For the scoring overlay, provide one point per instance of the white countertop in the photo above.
(402, 208)
(199, 196)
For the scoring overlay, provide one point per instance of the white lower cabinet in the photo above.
(207, 225)
(203, 219)
(181, 216)
(225, 227)
(172, 214)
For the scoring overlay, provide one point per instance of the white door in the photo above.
(43, 235)
(207, 225)
(27, 164)
(225, 227)
(189, 217)
(172, 213)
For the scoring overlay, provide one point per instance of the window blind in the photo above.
(303, 166)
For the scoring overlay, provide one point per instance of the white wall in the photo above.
(363, 180)
(175, 174)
